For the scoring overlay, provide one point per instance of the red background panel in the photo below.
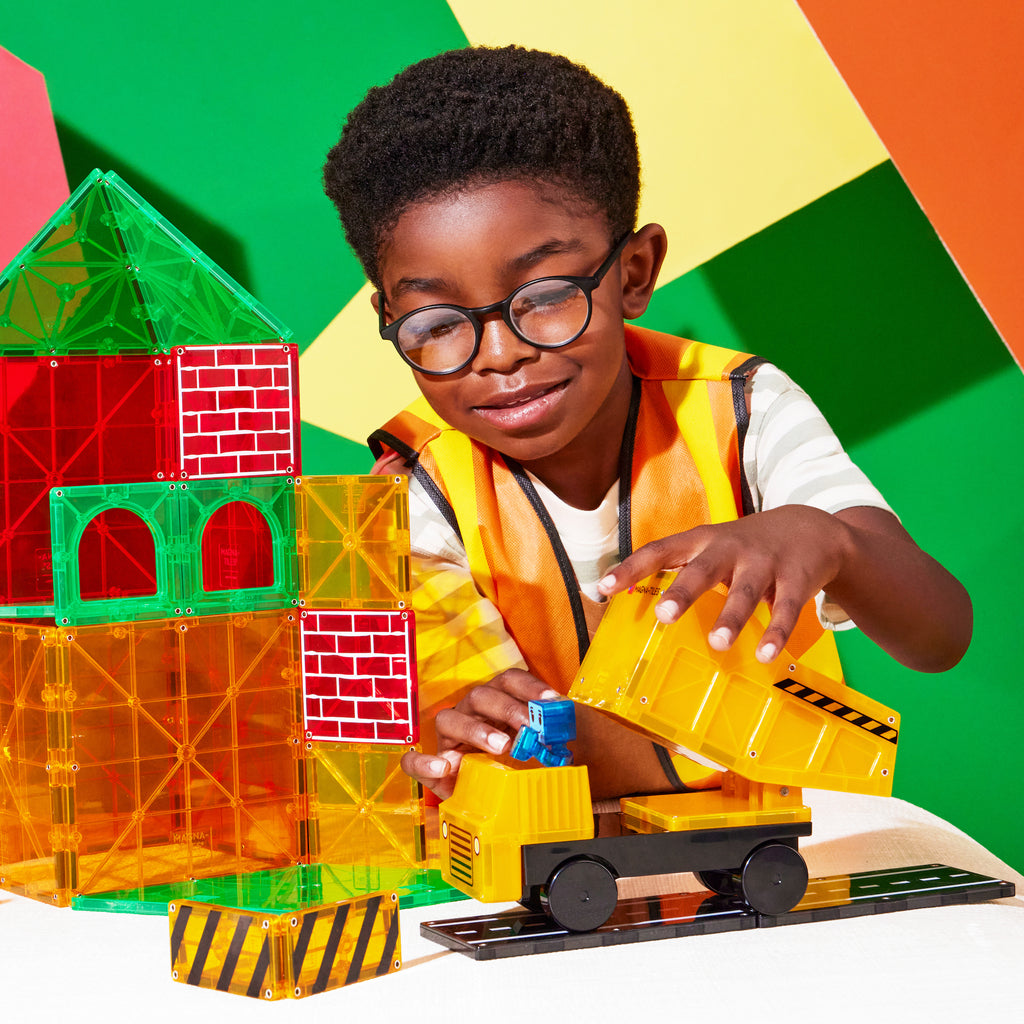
(32, 179)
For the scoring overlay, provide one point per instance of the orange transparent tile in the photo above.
(172, 750)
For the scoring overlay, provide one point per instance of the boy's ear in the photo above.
(375, 302)
(644, 255)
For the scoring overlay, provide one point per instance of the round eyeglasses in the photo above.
(547, 313)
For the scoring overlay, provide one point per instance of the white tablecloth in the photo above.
(944, 964)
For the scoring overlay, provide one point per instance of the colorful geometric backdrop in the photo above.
(795, 196)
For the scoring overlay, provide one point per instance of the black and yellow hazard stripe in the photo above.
(224, 949)
(836, 707)
(288, 955)
(342, 944)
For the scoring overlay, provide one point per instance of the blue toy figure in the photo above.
(552, 725)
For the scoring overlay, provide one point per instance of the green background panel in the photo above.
(220, 115)
(854, 296)
(960, 497)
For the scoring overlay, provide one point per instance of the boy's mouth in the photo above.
(521, 408)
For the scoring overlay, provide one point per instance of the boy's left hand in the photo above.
(863, 557)
(784, 556)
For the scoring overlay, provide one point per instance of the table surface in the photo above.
(944, 964)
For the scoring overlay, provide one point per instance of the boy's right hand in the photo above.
(486, 719)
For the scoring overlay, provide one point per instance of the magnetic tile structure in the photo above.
(354, 540)
(290, 955)
(238, 410)
(68, 421)
(142, 753)
(200, 533)
(175, 597)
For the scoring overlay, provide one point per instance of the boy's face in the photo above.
(474, 249)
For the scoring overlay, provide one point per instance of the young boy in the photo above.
(559, 455)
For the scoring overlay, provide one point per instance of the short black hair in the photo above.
(479, 116)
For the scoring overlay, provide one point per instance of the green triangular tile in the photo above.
(107, 273)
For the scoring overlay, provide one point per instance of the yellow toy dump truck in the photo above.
(528, 834)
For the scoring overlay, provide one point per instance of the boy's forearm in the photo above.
(898, 595)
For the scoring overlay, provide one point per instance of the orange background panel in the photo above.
(32, 179)
(942, 86)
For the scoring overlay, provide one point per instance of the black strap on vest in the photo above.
(626, 473)
(572, 585)
(739, 378)
(377, 441)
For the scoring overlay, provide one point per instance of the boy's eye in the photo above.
(423, 328)
(437, 339)
(441, 329)
(545, 297)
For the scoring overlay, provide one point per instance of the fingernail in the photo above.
(666, 611)
(767, 653)
(550, 695)
(606, 583)
(439, 766)
(720, 639)
(497, 741)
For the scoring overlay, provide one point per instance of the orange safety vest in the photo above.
(682, 456)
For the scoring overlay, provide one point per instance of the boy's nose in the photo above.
(500, 349)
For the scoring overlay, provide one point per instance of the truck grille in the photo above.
(460, 854)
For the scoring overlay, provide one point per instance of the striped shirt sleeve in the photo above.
(461, 640)
(791, 455)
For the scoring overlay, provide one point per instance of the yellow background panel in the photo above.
(741, 118)
(349, 348)
(740, 114)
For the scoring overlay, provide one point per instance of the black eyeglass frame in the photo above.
(587, 285)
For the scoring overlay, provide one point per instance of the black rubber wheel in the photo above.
(725, 883)
(580, 895)
(774, 879)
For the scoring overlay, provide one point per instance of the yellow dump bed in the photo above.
(782, 723)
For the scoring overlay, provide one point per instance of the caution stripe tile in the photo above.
(290, 955)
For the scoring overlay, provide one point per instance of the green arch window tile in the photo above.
(274, 499)
(177, 515)
(107, 273)
(72, 509)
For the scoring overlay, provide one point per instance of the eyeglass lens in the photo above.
(547, 313)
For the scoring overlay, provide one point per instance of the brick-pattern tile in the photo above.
(238, 410)
(359, 676)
